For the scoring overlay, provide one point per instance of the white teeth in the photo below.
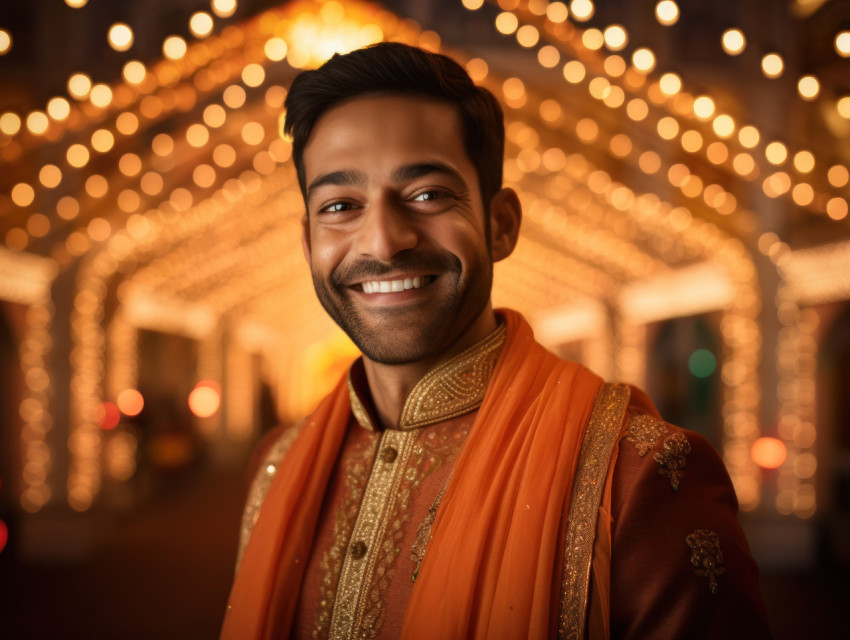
(392, 286)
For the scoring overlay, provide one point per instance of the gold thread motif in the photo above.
(423, 534)
(603, 429)
(368, 530)
(455, 387)
(644, 432)
(384, 512)
(706, 556)
(673, 458)
(357, 407)
(355, 471)
(260, 486)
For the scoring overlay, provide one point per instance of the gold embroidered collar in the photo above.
(449, 390)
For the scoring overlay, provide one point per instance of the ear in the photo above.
(305, 240)
(505, 219)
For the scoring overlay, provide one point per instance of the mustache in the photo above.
(368, 269)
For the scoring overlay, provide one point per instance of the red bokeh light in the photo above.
(107, 416)
(4, 535)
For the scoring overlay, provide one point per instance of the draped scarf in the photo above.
(491, 567)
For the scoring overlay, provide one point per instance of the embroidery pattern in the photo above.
(706, 557)
(260, 486)
(356, 473)
(644, 432)
(673, 458)
(603, 429)
(423, 534)
(367, 567)
(455, 387)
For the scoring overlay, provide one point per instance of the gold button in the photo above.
(358, 550)
(389, 454)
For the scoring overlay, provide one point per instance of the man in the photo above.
(462, 482)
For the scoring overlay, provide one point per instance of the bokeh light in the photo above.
(768, 453)
(667, 12)
(130, 402)
(107, 416)
(205, 399)
(120, 36)
(702, 363)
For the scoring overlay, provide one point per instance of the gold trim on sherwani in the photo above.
(600, 438)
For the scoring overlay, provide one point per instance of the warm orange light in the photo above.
(768, 453)
(204, 400)
(808, 87)
(527, 36)
(174, 47)
(107, 416)
(134, 72)
(201, 24)
(58, 108)
(772, 65)
(5, 42)
(670, 84)
(120, 36)
(275, 49)
(667, 12)
(506, 23)
(10, 123)
(615, 37)
(643, 59)
(224, 8)
(79, 85)
(130, 402)
(582, 10)
(733, 41)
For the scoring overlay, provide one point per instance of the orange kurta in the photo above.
(494, 565)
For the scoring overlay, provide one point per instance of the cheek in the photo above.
(327, 249)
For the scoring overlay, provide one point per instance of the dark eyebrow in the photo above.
(420, 169)
(343, 178)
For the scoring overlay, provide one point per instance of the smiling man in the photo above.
(461, 481)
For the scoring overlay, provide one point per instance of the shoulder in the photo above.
(676, 537)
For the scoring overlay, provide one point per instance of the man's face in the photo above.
(395, 231)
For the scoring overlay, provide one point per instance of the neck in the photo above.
(390, 384)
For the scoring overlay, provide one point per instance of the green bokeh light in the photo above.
(702, 363)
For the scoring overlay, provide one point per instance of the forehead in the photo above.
(375, 133)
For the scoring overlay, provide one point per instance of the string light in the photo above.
(201, 24)
(615, 37)
(733, 42)
(808, 87)
(842, 43)
(120, 36)
(223, 8)
(5, 42)
(582, 10)
(174, 47)
(772, 65)
(667, 12)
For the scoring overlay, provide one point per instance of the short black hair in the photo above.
(395, 68)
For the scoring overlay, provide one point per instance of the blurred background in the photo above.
(683, 168)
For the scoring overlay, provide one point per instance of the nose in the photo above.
(385, 230)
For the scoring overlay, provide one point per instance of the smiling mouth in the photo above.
(395, 286)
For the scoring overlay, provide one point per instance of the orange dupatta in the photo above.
(490, 566)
